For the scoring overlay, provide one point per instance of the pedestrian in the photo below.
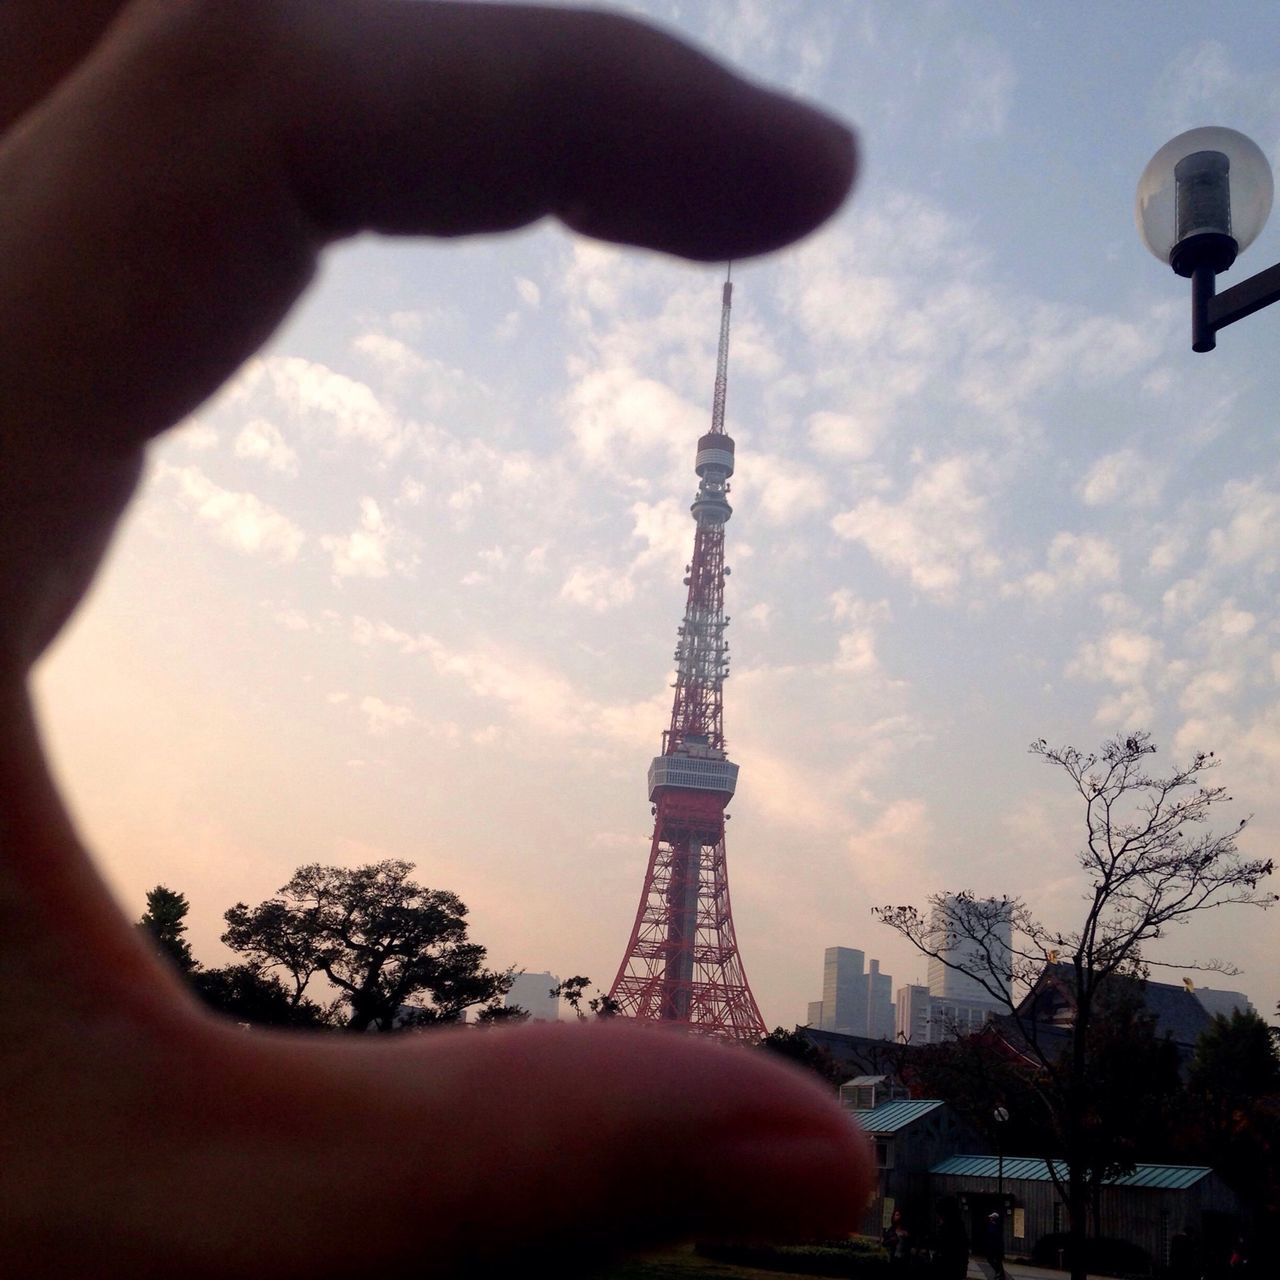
(995, 1245)
(897, 1240)
(951, 1256)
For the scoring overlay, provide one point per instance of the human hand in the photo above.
(169, 173)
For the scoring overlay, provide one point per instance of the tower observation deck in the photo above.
(682, 964)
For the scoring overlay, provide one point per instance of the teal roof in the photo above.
(1173, 1177)
(889, 1117)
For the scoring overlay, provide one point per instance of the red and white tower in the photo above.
(682, 964)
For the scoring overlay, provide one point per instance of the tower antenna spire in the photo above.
(682, 964)
(721, 394)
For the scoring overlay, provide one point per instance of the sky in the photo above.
(408, 586)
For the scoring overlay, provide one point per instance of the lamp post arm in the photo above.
(1243, 299)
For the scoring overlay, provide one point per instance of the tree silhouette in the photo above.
(397, 953)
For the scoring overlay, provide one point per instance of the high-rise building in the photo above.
(983, 946)
(879, 1003)
(844, 991)
(856, 1000)
(532, 992)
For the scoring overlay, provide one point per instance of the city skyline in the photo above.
(414, 574)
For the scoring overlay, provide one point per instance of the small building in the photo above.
(1145, 1207)
(908, 1137)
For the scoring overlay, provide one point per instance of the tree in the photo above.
(795, 1047)
(1150, 861)
(165, 921)
(1233, 1088)
(246, 994)
(382, 940)
(573, 990)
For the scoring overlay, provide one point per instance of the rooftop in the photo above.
(1032, 1169)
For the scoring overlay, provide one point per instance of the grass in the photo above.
(686, 1264)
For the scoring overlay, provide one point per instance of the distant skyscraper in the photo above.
(844, 991)
(856, 1001)
(879, 1004)
(532, 992)
(987, 954)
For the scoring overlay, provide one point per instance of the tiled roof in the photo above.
(1021, 1168)
(890, 1117)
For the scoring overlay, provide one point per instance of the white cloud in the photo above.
(780, 489)
(597, 587)
(936, 534)
(239, 520)
(845, 435)
(195, 435)
(1123, 656)
(313, 394)
(1251, 531)
(984, 80)
(1075, 562)
(856, 652)
(529, 292)
(363, 553)
(381, 717)
(1124, 476)
(261, 440)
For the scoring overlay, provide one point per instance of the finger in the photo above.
(181, 182)
(267, 1155)
(40, 42)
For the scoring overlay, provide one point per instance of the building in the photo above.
(532, 992)
(908, 1137)
(856, 1000)
(984, 948)
(923, 1018)
(957, 1003)
(1143, 1208)
(1220, 1004)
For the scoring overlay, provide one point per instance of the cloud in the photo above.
(1076, 562)
(312, 394)
(984, 80)
(598, 588)
(381, 717)
(261, 440)
(936, 535)
(1124, 476)
(856, 653)
(195, 435)
(780, 489)
(239, 520)
(529, 292)
(363, 553)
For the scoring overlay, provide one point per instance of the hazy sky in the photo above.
(409, 587)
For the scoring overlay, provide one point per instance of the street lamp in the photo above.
(1001, 1116)
(1202, 199)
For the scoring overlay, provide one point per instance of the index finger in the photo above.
(166, 204)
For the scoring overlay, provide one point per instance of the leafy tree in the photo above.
(245, 994)
(1150, 862)
(397, 953)
(793, 1046)
(239, 991)
(574, 990)
(1234, 1091)
(165, 921)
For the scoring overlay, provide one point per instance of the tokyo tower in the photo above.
(682, 964)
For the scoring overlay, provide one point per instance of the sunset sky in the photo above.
(408, 588)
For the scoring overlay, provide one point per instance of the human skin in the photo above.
(169, 173)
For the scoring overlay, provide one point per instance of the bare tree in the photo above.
(1150, 861)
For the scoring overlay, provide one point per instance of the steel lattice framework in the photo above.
(682, 964)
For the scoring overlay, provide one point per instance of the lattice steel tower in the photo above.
(682, 964)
